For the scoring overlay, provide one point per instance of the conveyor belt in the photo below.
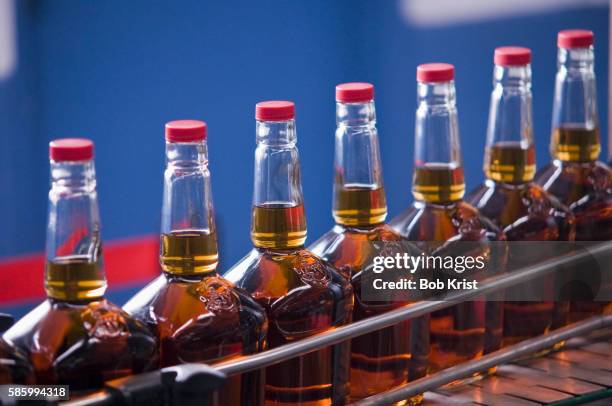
(581, 373)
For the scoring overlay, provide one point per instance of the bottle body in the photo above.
(525, 212)
(383, 359)
(575, 176)
(389, 357)
(439, 219)
(519, 207)
(76, 337)
(197, 315)
(302, 295)
(204, 319)
(586, 188)
(463, 332)
(83, 344)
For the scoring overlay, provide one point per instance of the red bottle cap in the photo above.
(275, 110)
(435, 72)
(512, 56)
(354, 92)
(575, 38)
(71, 149)
(185, 131)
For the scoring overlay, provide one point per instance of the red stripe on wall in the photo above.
(128, 261)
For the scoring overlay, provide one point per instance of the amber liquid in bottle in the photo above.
(302, 296)
(457, 334)
(359, 206)
(74, 278)
(275, 225)
(189, 252)
(383, 359)
(77, 337)
(509, 161)
(584, 184)
(575, 144)
(438, 183)
(525, 212)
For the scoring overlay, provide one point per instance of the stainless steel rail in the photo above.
(467, 369)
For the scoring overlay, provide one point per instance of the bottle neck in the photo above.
(359, 197)
(510, 152)
(73, 249)
(575, 126)
(278, 205)
(188, 235)
(438, 173)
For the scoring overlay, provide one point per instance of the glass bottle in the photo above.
(302, 294)
(575, 176)
(197, 315)
(510, 198)
(439, 217)
(76, 337)
(379, 360)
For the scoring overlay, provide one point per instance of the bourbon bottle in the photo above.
(575, 175)
(439, 217)
(76, 337)
(379, 360)
(510, 198)
(197, 315)
(302, 294)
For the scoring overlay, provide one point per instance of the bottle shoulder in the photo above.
(349, 250)
(572, 181)
(61, 333)
(268, 275)
(174, 301)
(440, 222)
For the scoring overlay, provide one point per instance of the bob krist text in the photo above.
(424, 270)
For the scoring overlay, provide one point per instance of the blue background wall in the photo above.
(116, 71)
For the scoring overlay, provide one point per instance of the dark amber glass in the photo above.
(586, 187)
(383, 359)
(462, 332)
(200, 317)
(302, 296)
(525, 212)
(83, 344)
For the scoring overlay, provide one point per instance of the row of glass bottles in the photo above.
(281, 292)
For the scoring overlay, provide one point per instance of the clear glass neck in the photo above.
(575, 100)
(510, 112)
(187, 203)
(74, 221)
(277, 165)
(510, 152)
(278, 206)
(359, 197)
(73, 247)
(575, 124)
(436, 128)
(188, 235)
(438, 172)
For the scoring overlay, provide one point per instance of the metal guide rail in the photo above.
(186, 384)
(580, 373)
